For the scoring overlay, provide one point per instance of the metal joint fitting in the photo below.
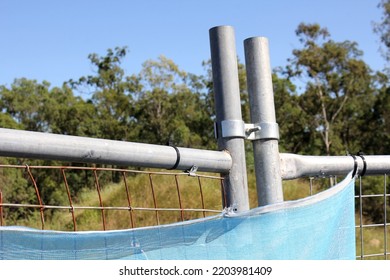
(239, 129)
(262, 131)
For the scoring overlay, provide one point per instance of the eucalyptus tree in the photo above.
(111, 92)
(24, 101)
(337, 83)
(380, 116)
(170, 107)
(382, 28)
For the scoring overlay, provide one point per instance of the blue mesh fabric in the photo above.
(318, 227)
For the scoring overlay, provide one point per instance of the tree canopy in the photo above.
(382, 28)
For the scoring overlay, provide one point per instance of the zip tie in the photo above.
(177, 157)
(360, 154)
(355, 166)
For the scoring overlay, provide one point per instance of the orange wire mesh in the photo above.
(125, 203)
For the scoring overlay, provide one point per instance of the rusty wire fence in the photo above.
(107, 198)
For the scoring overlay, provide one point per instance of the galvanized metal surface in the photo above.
(295, 166)
(228, 108)
(262, 110)
(37, 145)
(262, 131)
(233, 128)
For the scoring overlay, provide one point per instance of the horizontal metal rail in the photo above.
(129, 208)
(295, 166)
(373, 225)
(38, 145)
(373, 255)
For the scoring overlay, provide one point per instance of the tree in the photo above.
(292, 121)
(336, 80)
(25, 103)
(112, 94)
(71, 115)
(379, 115)
(383, 28)
(170, 107)
(375, 138)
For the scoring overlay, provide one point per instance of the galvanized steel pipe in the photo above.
(262, 110)
(296, 166)
(38, 145)
(228, 111)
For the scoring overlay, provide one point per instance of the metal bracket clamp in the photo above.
(262, 131)
(230, 129)
(239, 129)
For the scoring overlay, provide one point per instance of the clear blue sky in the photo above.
(50, 40)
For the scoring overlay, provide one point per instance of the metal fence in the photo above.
(372, 237)
(151, 198)
(271, 167)
(136, 198)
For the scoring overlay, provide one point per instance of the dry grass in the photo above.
(165, 188)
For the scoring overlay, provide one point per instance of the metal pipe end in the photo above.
(221, 27)
(262, 39)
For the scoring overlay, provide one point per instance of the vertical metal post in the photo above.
(385, 217)
(361, 218)
(262, 111)
(229, 124)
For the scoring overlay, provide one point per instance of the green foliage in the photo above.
(25, 102)
(382, 28)
(375, 119)
(111, 105)
(338, 88)
(170, 107)
(14, 188)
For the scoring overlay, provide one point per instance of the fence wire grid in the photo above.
(116, 198)
(373, 237)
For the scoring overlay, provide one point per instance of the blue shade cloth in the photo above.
(318, 227)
